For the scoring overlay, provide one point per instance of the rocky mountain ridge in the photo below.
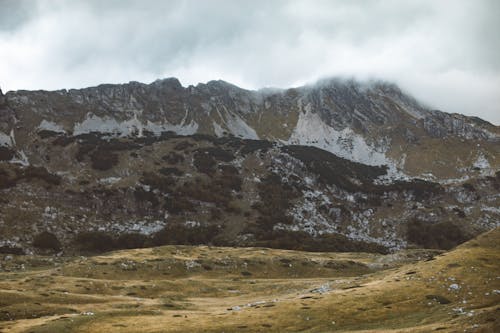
(324, 167)
(372, 123)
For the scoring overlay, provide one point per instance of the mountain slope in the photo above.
(133, 165)
(373, 123)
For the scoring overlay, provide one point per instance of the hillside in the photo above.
(212, 289)
(315, 168)
(373, 123)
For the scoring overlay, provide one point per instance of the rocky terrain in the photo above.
(335, 166)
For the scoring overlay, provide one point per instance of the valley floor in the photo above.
(211, 289)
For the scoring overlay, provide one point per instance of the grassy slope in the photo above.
(192, 289)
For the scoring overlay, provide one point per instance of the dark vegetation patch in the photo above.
(183, 145)
(171, 172)
(10, 175)
(7, 179)
(442, 235)
(44, 134)
(203, 137)
(204, 162)
(460, 213)
(495, 180)
(469, 187)
(173, 158)
(178, 234)
(63, 140)
(276, 198)
(421, 189)
(103, 159)
(132, 241)
(141, 195)
(6, 154)
(216, 190)
(302, 241)
(6, 249)
(334, 170)
(47, 241)
(217, 153)
(94, 242)
(227, 170)
(99, 241)
(155, 181)
(41, 173)
(227, 181)
(354, 177)
(250, 146)
(176, 204)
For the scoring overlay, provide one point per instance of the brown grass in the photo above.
(211, 289)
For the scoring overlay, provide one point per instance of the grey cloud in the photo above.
(445, 52)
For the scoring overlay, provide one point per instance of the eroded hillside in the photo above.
(94, 193)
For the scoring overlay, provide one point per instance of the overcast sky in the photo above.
(445, 53)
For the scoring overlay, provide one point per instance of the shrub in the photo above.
(183, 145)
(94, 241)
(170, 172)
(184, 235)
(217, 153)
(178, 204)
(6, 154)
(143, 196)
(44, 134)
(6, 179)
(131, 241)
(276, 198)
(204, 162)
(173, 158)
(41, 173)
(103, 159)
(11, 250)
(164, 184)
(250, 146)
(47, 241)
(300, 240)
(443, 235)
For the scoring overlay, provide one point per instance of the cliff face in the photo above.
(371, 123)
(269, 167)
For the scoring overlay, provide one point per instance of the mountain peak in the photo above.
(171, 82)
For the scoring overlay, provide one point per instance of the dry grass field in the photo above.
(211, 289)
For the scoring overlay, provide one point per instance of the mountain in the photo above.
(338, 165)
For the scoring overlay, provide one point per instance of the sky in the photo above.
(446, 53)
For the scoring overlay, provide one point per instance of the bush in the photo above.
(179, 234)
(300, 240)
(103, 160)
(94, 241)
(131, 241)
(183, 145)
(171, 171)
(155, 181)
(276, 198)
(41, 173)
(6, 154)
(47, 241)
(11, 250)
(444, 235)
(142, 195)
(204, 162)
(6, 179)
(173, 158)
